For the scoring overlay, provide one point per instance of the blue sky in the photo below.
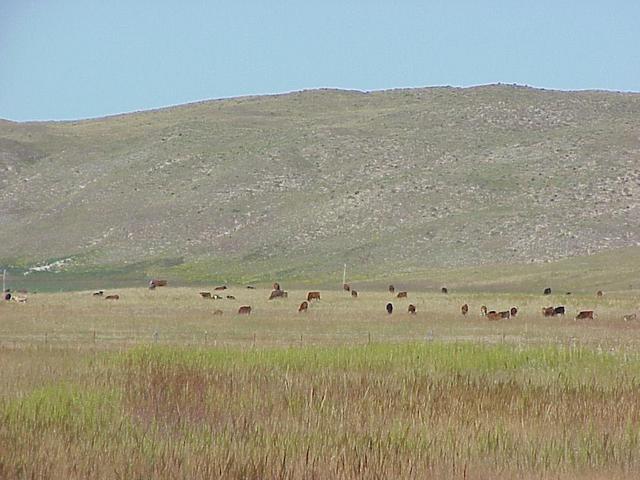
(68, 59)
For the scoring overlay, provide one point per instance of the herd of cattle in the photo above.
(278, 292)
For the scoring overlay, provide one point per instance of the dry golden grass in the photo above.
(179, 315)
(361, 395)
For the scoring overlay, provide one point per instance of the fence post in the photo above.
(368, 338)
(94, 337)
(254, 339)
(301, 340)
(155, 336)
(206, 334)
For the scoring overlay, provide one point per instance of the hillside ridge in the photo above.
(297, 184)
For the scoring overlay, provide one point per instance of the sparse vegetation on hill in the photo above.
(293, 186)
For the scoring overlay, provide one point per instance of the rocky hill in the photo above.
(295, 185)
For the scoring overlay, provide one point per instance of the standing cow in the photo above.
(313, 296)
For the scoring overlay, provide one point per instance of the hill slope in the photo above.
(295, 185)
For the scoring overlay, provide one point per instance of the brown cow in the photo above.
(218, 312)
(157, 283)
(276, 286)
(412, 309)
(112, 297)
(389, 308)
(402, 295)
(354, 294)
(548, 311)
(493, 315)
(222, 287)
(444, 290)
(599, 293)
(346, 287)
(304, 306)
(464, 309)
(392, 289)
(313, 296)
(483, 310)
(278, 294)
(205, 294)
(505, 314)
(630, 318)
(513, 311)
(585, 314)
(244, 310)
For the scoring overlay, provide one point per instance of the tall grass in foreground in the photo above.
(380, 411)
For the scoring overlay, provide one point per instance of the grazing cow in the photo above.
(599, 293)
(346, 287)
(548, 311)
(276, 286)
(505, 314)
(392, 289)
(483, 310)
(402, 295)
(558, 310)
(513, 311)
(157, 283)
(231, 297)
(112, 297)
(389, 308)
(412, 309)
(251, 287)
(547, 291)
(205, 294)
(585, 314)
(218, 312)
(98, 293)
(313, 296)
(464, 309)
(7, 296)
(493, 315)
(304, 306)
(20, 299)
(444, 290)
(222, 287)
(630, 318)
(216, 297)
(278, 294)
(244, 310)
(354, 294)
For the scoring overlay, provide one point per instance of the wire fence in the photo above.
(124, 339)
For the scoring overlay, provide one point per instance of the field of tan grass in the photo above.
(155, 386)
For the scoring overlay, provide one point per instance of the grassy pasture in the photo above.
(345, 391)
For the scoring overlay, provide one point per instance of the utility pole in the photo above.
(344, 274)
(4, 282)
